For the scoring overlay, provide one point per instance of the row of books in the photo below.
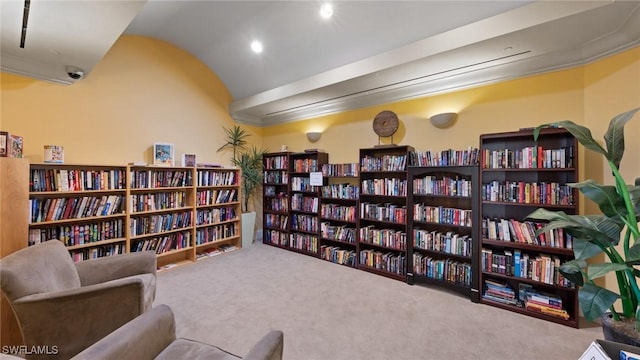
(276, 221)
(214, 233)
(549, 193)
(212, 197)
(153, 179)
(389, 238)
(385, 187)
(277, 204)
(79, 234)
(276, 177)
(338, 232)
(339, 212)
(383, 212)
(385, 163)
(97, 252)
(300, 202)
(157, 201)
(162, 244)
(216, 215)
(53, 209)
(305, 165)
(216, 178)
(525, 232)
(344, 170)
(306, 242)
(304, 223)
(542, 267)
(442, 215)
(302, 184)
(271, 190)
(529, 157)
(448, 270)
(63, 180)
(341, 191)
(275, 237)
(449, 242)
(387, 261)
(159, 223)
(446, 186)
(448, 157)
(276, 162)
(338, 255)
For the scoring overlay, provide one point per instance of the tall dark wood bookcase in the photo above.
(383, 210)
(442, 231)
(518, 175)
(304, 202)
(339, 207)
(275, 199)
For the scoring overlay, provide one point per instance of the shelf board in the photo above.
(275, 228)
(174, 251)
(200, 206)
(75, 220)
(217, 223)
(304, 252)
(441, 224)
(96, 243)
(536, 205)
(142, 236)
(462, 289)
(162, 189)
(348, 222)
(381, 272)
(339, 241)
(529, 169)
(382, 247)
(71, 193)
(217, 241)
(528, 247)
(441, 254)
(570, 322)
(149, 212)
(529, 281)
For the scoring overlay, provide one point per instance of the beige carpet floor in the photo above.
(329, 311)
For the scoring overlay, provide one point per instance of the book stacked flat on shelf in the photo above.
(499, 292)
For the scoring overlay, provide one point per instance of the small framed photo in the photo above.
(188, 159)
(163, 154)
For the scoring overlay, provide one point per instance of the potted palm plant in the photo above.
(249, 161)
(604, 243)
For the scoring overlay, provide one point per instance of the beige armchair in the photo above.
(64, 306)
(153, 336)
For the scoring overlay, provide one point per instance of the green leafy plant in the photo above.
(594, 235)
(247, 159)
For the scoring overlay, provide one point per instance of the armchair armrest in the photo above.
(89, 314)
(142, 338)
(115, 267)
(268, 348)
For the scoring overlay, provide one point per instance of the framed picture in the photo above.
(188, 159)
(163, 154)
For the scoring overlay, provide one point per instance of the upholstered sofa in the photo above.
(153, 336)
(68, 306)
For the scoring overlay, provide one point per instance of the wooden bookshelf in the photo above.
(100, 210)
(14, 225)
(339, 209)
(442, 229)
(304, 202)
(275, 199)
(517, 176)
(382, 237)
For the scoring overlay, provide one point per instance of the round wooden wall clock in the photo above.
(385, 123)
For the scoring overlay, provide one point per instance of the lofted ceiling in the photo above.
(368, 53)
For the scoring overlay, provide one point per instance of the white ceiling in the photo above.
(370, 52)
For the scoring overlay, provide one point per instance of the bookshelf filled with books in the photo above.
(519, 271)
(161, 212)
(99, 210)
(443, 234)
(217, 220)
(275, 199)
(81, 205)
(304, 201)
(339, 206)
(382, 234)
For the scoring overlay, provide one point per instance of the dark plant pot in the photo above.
(620, 331)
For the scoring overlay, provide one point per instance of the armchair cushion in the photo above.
(194, 350)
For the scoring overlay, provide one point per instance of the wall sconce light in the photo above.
(313, 136)
(443, 120)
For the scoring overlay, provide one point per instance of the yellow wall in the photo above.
(143, 91)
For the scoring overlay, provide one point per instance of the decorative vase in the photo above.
(248, 227)
(623, 331)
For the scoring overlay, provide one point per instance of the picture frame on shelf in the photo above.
(188, 159)
(4, 139)
(54, 154)
(163, 154)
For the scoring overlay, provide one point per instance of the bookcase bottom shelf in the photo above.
(572, 322)
(413, 279)
(382, 272)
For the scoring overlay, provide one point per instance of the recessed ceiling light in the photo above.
(326, 10)
(256, 46)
